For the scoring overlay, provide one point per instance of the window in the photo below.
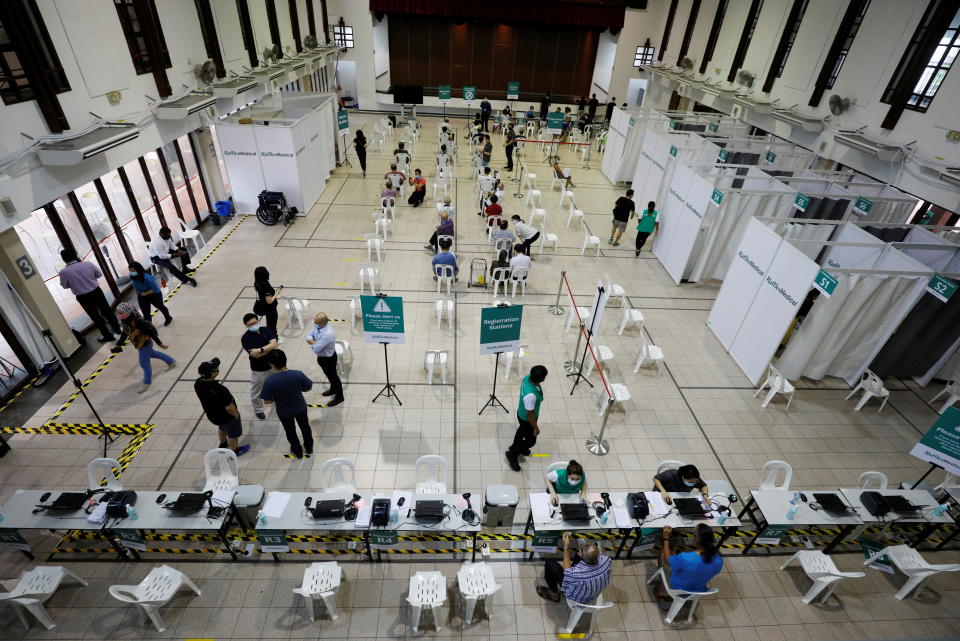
(343, 36)
(208, 30)
(748, 28)
(848, 42)
(29, 66)
(295, 24)
(714, 35)
(274, 26)
(644, 55)
(671, 14)
(148, 49)
(839, 50)
(246, 32)
(787, 39)
(311, 19)
(925, 63)
(688, 32)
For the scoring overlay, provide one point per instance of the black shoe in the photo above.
(243, 449)
(223, 445)
(193, 282)
(261, 416)
(514, 463)
(329, 392)
(525, 452)
(335, 401)
(105, 339)
(168, 321)
(638, 253)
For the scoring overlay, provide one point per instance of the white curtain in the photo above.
(800, 231)
(886, 212)
(723, 230)
(843, 331)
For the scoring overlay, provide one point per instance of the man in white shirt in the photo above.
(322, 342)
(162, 249)
(519, 260)
(443, 158)
(446, 207)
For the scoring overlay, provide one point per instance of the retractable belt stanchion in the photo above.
(596, 443)
(520, 169)
(556, 309)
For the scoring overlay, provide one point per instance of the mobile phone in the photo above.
(401, 501)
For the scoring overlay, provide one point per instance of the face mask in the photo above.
(689, 484)
(134, 275)
(253, 328)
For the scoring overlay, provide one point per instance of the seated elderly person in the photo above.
(447, 208)
(395, 176)
(581, 577)
(445, 228)
(445, 257)
(389, 193)
(502, 231)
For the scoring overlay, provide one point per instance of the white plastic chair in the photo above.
(374, 244)
(430, 474)
(344, 354)
(649, 353)
(353, 304)
(614, 290)
(620, 395)
(371, 275)
(34, 588)
(295, 309)
(871, 385)
(518, 275)
(538, 213)
(873, 481)
(476, 582)
(565, 196)
(192, 235)
(559, 179)
(155, 591)
(444, 305)
(436, 359)
(669, 464)
(427, 589)
(503, 244)
(444, 275)
(382, 224)
(548, 238)
(222, 471)
(574, 213)
(577, 610)
(909, 561)
(338, 474)
(104, 468)
(530, 181)
(589, 240)
(952, 390)
(821, 568)
(772, 472)
(630, 315)
(680, 597)
(949, 481)
(446, 237)
(571, 317)
(510, 357)
(778, 384)
(501, 276)
(321, 581)
(533, 200)
(389, 205)
(603, 354)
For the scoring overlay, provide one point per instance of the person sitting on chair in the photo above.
(447, 208)
(445, 257)
(389, 193)
(493, 209)
(571, 479)
(443, 158)
(581, 577)
(394, 176)
(684, 479)
(502, 231)
(445, 228)
(688, 571)
(401, 155)
(520, 260)
(555, 161)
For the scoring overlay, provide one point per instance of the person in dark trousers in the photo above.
(163, 250)
(509, 146)
(686, 478)
(592, 107)
(610, 106)
(258, 342)
(143, 336)
(219, 406)
(360, 146)
(545, 106)
(266, 303)
(688, 571)
(581, 105)
(647, 224)
(148, 292)
(285, 388)
(323, 341)
(419, 185)
(528, 416)
(82, 279)
(623, 211)
(485, 110)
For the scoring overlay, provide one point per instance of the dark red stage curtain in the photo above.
(595, 14)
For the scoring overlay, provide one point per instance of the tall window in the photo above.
(148, 48)
(274, 26)
(246, 32)
(925, 63)
(714, 35)
(745, 37)
(208, 29)
(671, 14)
(644, 55)
(840, 48)
(787, 38)
(295, 24)
(688, 32)
(29, 66)
(343, 36)
(311, 19)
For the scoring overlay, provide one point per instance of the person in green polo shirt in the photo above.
(569, 480)
(528, 416)
(647, 225)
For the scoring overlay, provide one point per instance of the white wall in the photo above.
(381, 54)
(603, 67)
(357, 14)
(638, 25)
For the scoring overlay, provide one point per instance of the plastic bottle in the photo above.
(394, 515)
(603, 519)
(795, 499)
(261, 518)
(792, 512)
(132, 513)
(940, 510)
(721, 519)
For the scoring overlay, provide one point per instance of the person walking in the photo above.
(360, 146)
(647, 224)
(528, 416)
(82, 279)
(323, 341)
(258, 342)
(148, 292)
(266, 303)
(509, 146)
(623, 211)
(219, 406)
(285, 388)
(544, 106)
(485, 110)
(142, 335)
(163, 249)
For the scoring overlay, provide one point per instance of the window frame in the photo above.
(208, 29)
(746, 35)
(688, 30)
(667, 28)
(929, 76)
(150, 31)
(246, 33)
(714, 34)
(343, 36)
(644, 55)
(797, 10)
(840, 49)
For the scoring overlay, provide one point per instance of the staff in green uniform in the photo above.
(570, 480)
(528, 416)
(647, 225)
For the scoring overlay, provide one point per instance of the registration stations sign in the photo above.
(941, 444)
(382, 319)
(500, 329)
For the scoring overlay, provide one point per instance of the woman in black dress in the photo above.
(266, 305)
(360, 144)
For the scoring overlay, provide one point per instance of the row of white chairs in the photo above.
(870, 385)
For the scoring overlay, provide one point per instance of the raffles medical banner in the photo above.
(242, 160)
(278, 161)
(689, 199)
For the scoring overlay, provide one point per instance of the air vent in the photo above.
(233, 87)
(73, 151)
(795, 120)
(182, 107)
(884, 152)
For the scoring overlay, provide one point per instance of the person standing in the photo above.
(526, 234)
(528, 416)
(485, 110)
(266, 303)
(142, 335)
(258, 342)
(323, 341)
(285, 387)
(148, 292)
(82, 279)
(623, 211)
(360, 145)
(544, 106)
(647, 224)
(592, 107)
(509, 146)
(219, 406)
(581, 105)
(163, 249)
(486, 152)
(610, 106)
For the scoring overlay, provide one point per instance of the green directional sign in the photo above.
(469, 94)
(383, 539)
(871, 552)
(647, 539)
(801, 202)
(941, 444)
(826, 283)
(544, 541)
(382, 319)
(131, 539)
(343, 125)
(500, 329)
(941, 287)
(632, 122)
(13, 540)
(723, 155)
(926, 217)
(770, 156)
(443, 92)
(862, 206)
(272, 541)
(555, 122)
(713, 127)
(513, 90)
(716, 197)
(673, 151)
(772, 534)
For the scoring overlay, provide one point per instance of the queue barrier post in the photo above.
(556, 309)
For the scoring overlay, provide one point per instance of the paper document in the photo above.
(223, 497)
(363, 515)
(658, 507)
(276, 504)
(622, 517)
(541, 507)
(402, 494)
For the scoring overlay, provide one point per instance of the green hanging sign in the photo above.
(131, 539)
(941, 287)
(383, 539)
(713, 127)
(13, 540)
(941, 444)
(801, 202)
(862, 206)
(716, 197)
(513, 90)
(770, 156)
(647, 539)
(673, 151)
(826, 283)
(723, 155)
(545, 541)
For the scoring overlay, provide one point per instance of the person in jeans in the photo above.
(82, 279)
(219, 406)
(163, 250)
(689, 571)
(581, 577)
(258, 342)
(148, 292)
(285, 388)
(323, 341)
(528, 416)
(142, 335)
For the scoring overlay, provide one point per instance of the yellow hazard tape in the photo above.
(23, 389)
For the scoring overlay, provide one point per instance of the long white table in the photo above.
(917, 497)
(18, 514)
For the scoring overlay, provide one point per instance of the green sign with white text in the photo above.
(941, 287)
(772, 534)
(383, 539)
(723, 155)
(382, 319)
(469, 94)
(272, 541)
(513, 90)
(500, 329)
(862, 206)
(443, 92)
(826, 283)
(770, 156)
(13, 540)
(716, 197)
(801, 202)
(131, 539)
(941, 444)
(673, 151)
(343, 125)
(713, 127)
(555, 122)
(545, 541)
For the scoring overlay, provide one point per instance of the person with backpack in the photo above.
(143, 336)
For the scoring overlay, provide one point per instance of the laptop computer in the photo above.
(188, 502)
(901, 504)
(327, 509)
(831, 503)
(430, 511)
(68, 501)
(575, 512)
(690, 508)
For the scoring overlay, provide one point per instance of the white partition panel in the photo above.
(241, 157)
(936, 259)
(838, 256)
(278, 162)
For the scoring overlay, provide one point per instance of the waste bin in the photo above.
(500, 505)
(224, 210)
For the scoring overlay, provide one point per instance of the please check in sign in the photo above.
(500, 329)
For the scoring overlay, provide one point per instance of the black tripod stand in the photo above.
(389, 389)
(493, 394)
(578, 374)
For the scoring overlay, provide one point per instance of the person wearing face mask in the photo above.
(322, 341)
(266, 303)
(419, 189)
(570, 480)
(257, 342)
(148, 292)
(219, 406)
(686, 478)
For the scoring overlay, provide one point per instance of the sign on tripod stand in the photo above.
(382, 319)
(343, 125)
(500, 329)
(555, 122)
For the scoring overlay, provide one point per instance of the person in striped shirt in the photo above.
(581, 577)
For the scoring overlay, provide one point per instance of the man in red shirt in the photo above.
(493, 210)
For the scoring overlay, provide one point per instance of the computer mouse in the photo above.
(308, 501)
(44, 497)
(161, 498)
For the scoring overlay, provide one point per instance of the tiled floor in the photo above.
(701, 411)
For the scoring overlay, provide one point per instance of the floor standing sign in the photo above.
(513, 90)
(941, 444)
(499, 332)
(383, 323)
(555, 123)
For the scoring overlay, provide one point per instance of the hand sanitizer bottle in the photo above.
(261, 518)
(940, 510)
(721, 519)
(603, 519)
(792, 512)
(132, 513)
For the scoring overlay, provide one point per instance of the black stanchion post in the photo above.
(389, 389)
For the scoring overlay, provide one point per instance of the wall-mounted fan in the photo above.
(686, 64)
(206, 73)
(838, 104)
(271, 54)
(310, 42)
(745, 78)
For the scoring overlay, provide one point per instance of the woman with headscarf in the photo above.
(142, 335)
(148, 292)
(266, 305)
(360, 144)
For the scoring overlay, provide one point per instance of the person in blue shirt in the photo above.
(323, 341)
(445, 257)
(148, 292)
(285, 389)
(689, 571)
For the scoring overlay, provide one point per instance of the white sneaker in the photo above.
(171, 365)
(143, 388)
